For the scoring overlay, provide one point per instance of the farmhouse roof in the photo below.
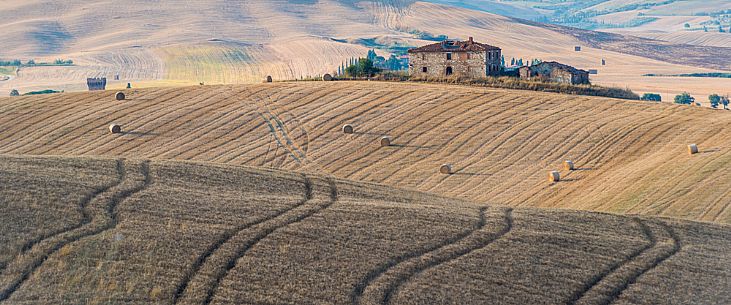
(455, 46)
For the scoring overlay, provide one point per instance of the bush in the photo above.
(653, 97)
(362, 68)
(535, 85)
(715, 100)
(47, 91)
(684, 99)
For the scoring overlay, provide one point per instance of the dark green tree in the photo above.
(363, 67)
(724, 102)
(372, 55)
(715, 100)
(684, 99)
(653, 97)
(14, 92)
(687, 25)
(502, 61)
(512, 62)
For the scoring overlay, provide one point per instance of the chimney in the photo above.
(471, 40)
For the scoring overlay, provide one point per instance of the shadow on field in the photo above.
(415, 146)
(470, 174)
(140, 134)
(709, 151)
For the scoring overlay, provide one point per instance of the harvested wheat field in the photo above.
(126, 231)
(630, 157)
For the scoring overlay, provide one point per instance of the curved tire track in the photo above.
(382, 283)
(609, 285)
(243, 241)
(226, 237)
(39, 253)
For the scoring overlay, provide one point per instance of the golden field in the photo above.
(631, 156)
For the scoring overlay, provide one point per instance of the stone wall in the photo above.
(468, 64)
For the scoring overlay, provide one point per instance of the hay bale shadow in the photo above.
(415, 146)
(139, 134)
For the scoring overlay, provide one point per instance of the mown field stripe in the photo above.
(270, 227)
(84, 231)
(226, 237)
(411, 264)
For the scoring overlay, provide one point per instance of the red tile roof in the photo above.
(454, 46)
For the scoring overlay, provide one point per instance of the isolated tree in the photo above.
(705, 29)
(720, 29)
(715, 100)
(512, 62)
(14, 92)
(684, 99)
(31, 62)
(653, 97)
(724, 102)
(687, 25)
(520, 62)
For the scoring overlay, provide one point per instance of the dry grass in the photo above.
(631, 157)
(193, 233)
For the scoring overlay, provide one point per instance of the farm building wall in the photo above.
(470, 64)
(554, 73)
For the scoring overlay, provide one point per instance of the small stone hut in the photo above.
(555, 72)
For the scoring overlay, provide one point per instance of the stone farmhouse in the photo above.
(555, 72)
(464, 58)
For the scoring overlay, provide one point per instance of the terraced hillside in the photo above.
(126, 231)
(631, 156)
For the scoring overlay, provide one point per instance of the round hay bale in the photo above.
(385, 141)
(114, 128)
(268, 79)
(327, 77)
(554, 176)
(119, 96)
(692, 149)
(446, 169)
(348, 129)
(568, 165)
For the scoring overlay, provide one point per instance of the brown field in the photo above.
(165, 232)
(631, 156)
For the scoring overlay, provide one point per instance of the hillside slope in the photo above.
(631, 156)
(163, 43)
(192, 233)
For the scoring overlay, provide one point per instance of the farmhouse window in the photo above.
(423, 69)
(449, 56)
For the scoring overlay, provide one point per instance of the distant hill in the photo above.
(167, 43)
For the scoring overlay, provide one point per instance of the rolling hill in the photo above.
(631, 156)
(128, 231)
(173, 43)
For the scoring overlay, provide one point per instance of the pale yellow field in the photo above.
(631, 155)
